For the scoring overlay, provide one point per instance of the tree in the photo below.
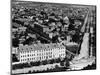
(66, 63)
(62, 63)
(15, 42)
(29, 72)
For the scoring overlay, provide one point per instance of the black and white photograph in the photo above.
(52, 37)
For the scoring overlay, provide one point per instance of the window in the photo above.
(50, 56)
(28, 59)
(40, 58)
(32, 58)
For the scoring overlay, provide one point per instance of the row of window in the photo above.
(43, 53)
(30, 59)
(29, 55)
(40, 54)
(36, 59)
(41, 58)
(34, 55)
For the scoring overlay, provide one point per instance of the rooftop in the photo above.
(39, 47)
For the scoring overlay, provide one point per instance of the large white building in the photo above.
(41, 52)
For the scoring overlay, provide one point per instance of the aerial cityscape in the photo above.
(52, 37)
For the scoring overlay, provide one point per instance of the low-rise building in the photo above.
(41, 28)
(14, 50)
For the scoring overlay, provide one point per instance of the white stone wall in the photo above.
(40, 55)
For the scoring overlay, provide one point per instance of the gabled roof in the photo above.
(40, 47)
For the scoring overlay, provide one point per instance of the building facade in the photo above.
(34, 53)
(14, 50)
